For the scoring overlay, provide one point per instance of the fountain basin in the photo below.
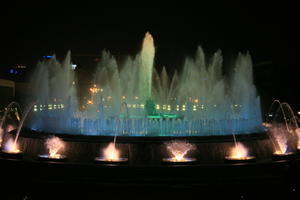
(47, 157)
(283, 156)
(102, 160)
(233, 160)
(11, 154)
(184, 161)
(298, 153)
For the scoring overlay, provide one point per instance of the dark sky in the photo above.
(30, 33)
(266, 31)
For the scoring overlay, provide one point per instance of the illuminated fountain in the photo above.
(239, 154)
(282, 129)
(54, 146)
(200, 101)
(8, 127)
(111, 155)
(178, 151)
(11, 147)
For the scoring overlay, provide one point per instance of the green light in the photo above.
(154, 116)
(166, 116)
(170, 116)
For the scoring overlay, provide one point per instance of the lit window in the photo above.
(169, 107)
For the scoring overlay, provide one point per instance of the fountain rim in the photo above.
(28, 133)
(101, 159)
(186, 160)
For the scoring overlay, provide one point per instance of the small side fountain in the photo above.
(178, 151)
(239, 154)
(281, 128)
(111, 155)
(3, 120)
(11, 147)
(55, 146)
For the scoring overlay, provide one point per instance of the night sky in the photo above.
(263, 30)
(177, 31)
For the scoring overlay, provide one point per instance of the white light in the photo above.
(73, 66)
(169, 107)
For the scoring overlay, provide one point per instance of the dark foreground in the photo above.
(45, 180)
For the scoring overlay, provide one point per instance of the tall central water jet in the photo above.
(146, 68)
